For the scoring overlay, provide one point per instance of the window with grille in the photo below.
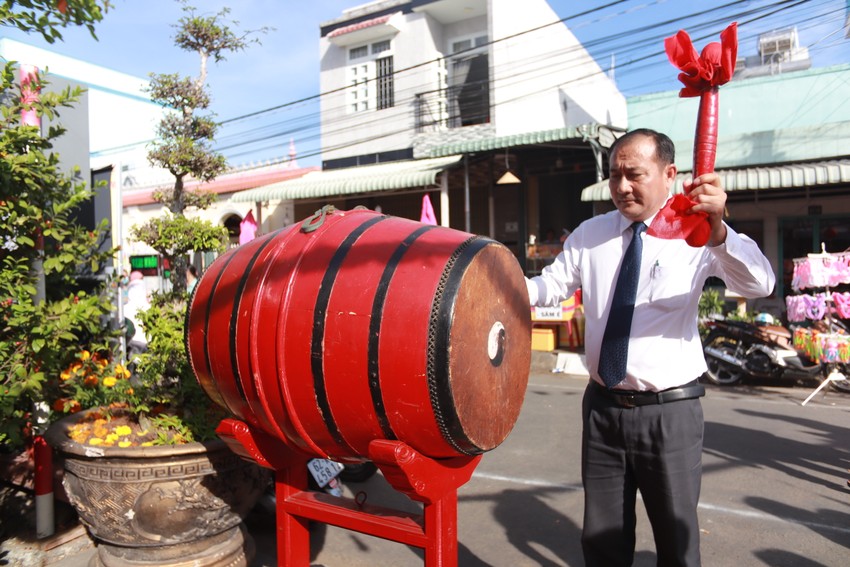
(468, 43)
(370, 79)
(384, 86)
(358, 52)
(380, 46)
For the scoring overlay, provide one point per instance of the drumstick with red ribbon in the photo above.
(701, 76)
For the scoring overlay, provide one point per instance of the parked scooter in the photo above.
(735, 350)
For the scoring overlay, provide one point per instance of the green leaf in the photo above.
(51, 264)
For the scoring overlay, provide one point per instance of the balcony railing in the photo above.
(453, 107)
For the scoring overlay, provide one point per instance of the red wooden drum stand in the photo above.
(434, 482)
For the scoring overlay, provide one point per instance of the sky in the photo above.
(136, 37)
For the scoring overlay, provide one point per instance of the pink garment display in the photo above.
(821, 271)
(427, 215)
(842, 304)
(795, 308)
(247, 228)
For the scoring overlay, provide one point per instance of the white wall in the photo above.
(533, 72)
(120, 112)
(372, 131)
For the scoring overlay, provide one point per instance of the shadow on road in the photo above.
(830, 524)
(545, 526)
(781, 558)
(757, 447)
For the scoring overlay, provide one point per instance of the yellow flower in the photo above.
(121, 371)
(95, 441)
(111, 438)
(124, 443)
(109, 381)
(78, 436)
(85, 355)
(66, 375)
(123, 430)
(147, 444)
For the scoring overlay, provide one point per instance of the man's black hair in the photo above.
(665, 151)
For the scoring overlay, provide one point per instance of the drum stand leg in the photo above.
(434, 482)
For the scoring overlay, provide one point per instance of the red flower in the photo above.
(713, 68)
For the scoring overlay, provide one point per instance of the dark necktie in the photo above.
(615, 342)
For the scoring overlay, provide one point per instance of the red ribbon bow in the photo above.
(713, 68)
(701, 75)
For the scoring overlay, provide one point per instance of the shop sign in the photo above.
(548, 313)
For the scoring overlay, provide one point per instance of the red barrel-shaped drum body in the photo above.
(355, 326)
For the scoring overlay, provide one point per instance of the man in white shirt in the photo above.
(644, 429)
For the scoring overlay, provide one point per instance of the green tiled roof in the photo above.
(352, 180)
(787, 176)
(497, 142)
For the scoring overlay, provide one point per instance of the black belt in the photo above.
(633, 399)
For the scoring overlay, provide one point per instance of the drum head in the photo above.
(479, 392)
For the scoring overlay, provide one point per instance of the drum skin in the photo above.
(354, 326)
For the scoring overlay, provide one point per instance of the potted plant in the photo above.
(143, 467)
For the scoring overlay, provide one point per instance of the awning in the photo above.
(489, 143)
(365, 31)
(787, 176)
(353, 180)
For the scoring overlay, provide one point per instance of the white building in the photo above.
(455, 92)
(405, 76)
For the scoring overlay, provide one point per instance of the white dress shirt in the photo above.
(665, 350)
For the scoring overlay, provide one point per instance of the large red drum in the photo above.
(354, 326)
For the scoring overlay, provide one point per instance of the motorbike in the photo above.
(736, 350)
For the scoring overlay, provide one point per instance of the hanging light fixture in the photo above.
(508, 178)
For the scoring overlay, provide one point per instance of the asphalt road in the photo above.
(774, 488)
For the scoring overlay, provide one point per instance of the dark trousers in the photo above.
(656, 449)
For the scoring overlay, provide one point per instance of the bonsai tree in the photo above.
(43, 250)
(183, 147)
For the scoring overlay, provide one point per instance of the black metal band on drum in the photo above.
(319, 314)
(440, 324)
(234, 315)
(375, 330)
(207, 313)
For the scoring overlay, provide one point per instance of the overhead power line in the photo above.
(753, 14)
(305, 127)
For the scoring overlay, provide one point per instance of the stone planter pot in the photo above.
(174, 505)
